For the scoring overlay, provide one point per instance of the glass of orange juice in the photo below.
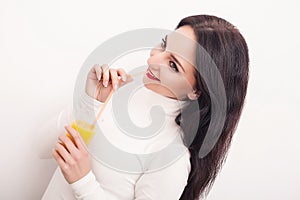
(85, 129)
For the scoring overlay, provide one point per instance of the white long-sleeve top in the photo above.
(111, 180)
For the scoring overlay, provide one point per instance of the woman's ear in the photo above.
(194, 95)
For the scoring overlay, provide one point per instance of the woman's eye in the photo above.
(174, 66)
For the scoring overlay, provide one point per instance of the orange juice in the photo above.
(85, 129)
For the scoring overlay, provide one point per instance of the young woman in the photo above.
(169, 79)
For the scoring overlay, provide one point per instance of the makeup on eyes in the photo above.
(164, 46)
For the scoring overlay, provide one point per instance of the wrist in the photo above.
(86, 185)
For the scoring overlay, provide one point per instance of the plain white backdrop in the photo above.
(44, 43)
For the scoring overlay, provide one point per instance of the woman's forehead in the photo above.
(182, 43)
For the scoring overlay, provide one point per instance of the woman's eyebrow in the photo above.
(173, 57)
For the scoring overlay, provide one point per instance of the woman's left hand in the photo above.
(73, 158)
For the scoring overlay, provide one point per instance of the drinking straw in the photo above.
(102, 108)
(109, 97)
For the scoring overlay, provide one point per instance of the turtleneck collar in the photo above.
(143, 100)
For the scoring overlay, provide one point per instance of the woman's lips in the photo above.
(151, 75)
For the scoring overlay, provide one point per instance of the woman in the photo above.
(169, 79)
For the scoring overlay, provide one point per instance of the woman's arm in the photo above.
(167, 183)
(100, 81)
(72, 156)
(74, 159)
(88, 188)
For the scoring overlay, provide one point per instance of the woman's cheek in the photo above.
(177, 84)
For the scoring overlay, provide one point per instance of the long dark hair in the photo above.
(228, 50)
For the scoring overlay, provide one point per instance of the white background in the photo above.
(44, 43)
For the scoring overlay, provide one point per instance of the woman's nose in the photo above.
(157, 57)
(154, 61)
(156, 49)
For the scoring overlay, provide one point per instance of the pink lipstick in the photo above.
(151, 76)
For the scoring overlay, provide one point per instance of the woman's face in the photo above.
(170, 67)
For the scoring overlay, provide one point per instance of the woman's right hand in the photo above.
(101, 80)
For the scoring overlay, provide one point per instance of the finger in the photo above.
(63, 153)
(61, 163)
(121, 72)
(114, 78)
(105, 74)
(77, 138)
(69, 145)
(98, 70)
(92, 73)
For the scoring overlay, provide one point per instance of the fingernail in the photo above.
(105, 83)
(98, 77)
(124, 78)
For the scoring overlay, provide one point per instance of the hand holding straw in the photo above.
(109, 97)
(87, 130)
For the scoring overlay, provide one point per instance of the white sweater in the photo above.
(111, 180)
